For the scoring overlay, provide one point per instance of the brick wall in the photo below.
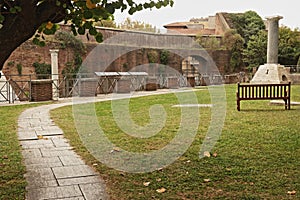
(41, 90)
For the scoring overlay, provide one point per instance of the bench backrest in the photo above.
(264, 91)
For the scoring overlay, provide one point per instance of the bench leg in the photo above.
(238, 105)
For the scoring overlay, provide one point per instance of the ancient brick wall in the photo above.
(41, 90)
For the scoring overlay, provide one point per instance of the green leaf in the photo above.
(99, 38)
(81, 30)
(58, 3)
(132, 11)
(158, 5)
(48, 31)
(42, 43)
(87, 14)
(93, 31)
(2, 18)
(87, 25)
(18, 8)
(36, 41)
(110, 8)
(13, 10)
(98, 11)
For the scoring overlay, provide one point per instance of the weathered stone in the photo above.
(73, 171)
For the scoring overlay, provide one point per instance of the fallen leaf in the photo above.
(206, 154)
(161, 190)
(146, 184)
(117, 149)
(206, 180)
(291, 192)
(40, 137)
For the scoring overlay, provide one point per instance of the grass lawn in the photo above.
(256, 157)
(12, 182)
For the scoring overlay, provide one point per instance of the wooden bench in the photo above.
(264, 92)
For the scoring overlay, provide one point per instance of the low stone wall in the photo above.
(295, 79)
(41, 90)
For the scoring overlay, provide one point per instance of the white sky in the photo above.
(184, 10)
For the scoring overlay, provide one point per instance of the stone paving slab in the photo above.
(73, 171)
(79, 180)
(91, 191)
(37, 144)
(71, 160)
(54, 192)
(46, 152)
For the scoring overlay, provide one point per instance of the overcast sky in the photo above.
(184, 10)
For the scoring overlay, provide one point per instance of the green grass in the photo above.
(12, 169)
(257, 154)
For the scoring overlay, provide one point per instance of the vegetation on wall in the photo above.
(71, 69)
(208, 42)
(247, 24)
(42, 70)
(234, 43)
(153, 56)
(164, 57)
(66, 39)
(19, 68)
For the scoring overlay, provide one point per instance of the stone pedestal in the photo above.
(271, 73)
(41, 90)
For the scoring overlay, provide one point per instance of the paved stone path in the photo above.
(54, 170)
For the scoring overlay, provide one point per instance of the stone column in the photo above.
(273, 37)
(54, 72)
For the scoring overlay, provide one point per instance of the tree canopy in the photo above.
(247, 24)
(288, 51)
(20, 19)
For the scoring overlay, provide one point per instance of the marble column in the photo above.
(54, 73)
(273, 39)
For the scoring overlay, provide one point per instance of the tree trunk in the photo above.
(18, 28)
